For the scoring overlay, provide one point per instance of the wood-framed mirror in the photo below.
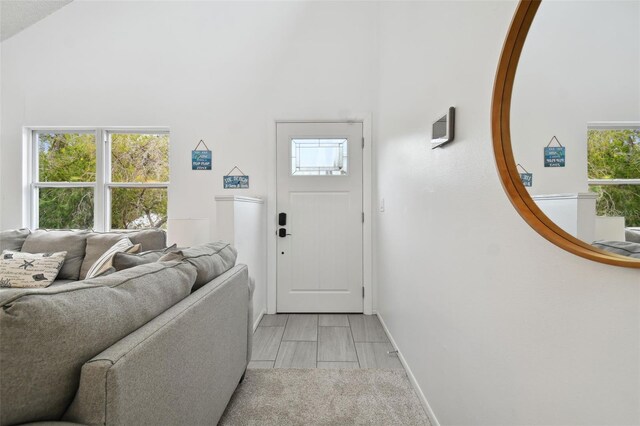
(509, 167)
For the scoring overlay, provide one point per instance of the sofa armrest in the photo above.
(180, 368)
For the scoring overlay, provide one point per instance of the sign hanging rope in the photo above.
(556, 139)
(201, 142)
(236, 168)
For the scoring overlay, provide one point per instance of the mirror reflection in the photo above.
(575, 120)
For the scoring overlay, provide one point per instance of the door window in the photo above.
(319, 157)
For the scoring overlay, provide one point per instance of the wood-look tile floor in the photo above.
(322, 341)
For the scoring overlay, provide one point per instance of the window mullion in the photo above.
(108, 177)
(64, 184)
(138, 185)
(106, 211)
(98, 209)
(34, 206)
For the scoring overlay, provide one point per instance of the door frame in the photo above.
(367, 206)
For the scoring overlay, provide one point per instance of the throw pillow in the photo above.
(106, 272)
(97, 245)
(632, 235)
(135, 248)
(105, 261)
(128, 260)
(19, 269)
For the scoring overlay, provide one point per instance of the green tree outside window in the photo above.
(615, 154)
(71, 157)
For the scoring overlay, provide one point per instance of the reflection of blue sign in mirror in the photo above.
(201, 159)
(554, 156)
(527, 179)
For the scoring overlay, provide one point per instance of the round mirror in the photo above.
(566, 125)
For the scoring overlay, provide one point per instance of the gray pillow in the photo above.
(129, 260)
(632, 234)
(625, 248)
(97, 245)
(99, 242)
(73, 242)
(13, 239)
(210, 260)
(49, 333)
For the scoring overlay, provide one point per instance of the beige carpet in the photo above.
(324, 397)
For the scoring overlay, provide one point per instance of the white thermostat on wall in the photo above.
(443, 129)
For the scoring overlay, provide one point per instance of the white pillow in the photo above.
(105, 261)
(20, 269)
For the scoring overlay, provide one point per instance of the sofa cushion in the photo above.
(99, 242)
(625, 248)
(18, 269)
(210, 260)
(13, 239)
(49, 333)
(129, 260)
(149, 239)
(73, 242)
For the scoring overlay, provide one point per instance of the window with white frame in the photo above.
(613, 155)
(98, 178)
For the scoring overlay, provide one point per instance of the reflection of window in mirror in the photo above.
(613, 158)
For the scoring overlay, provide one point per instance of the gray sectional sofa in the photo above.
(630, 247)
(161, 343)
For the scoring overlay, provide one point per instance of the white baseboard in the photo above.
(257, 322)
(412, 379)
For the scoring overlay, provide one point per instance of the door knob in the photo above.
(282, 232)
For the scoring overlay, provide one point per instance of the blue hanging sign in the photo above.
(201, 159)
(526, 177)
(235, 181)
(554, 156)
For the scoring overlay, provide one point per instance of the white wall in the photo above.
(581, 63)
(218, 71)
(499, 326)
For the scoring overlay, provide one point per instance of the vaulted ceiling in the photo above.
(16, 15)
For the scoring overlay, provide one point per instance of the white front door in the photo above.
(319, 181)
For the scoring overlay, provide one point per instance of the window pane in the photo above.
(315, 157)
(142, 158)
(66, 157)
(66, 208)
(133, 208)
(613, 154)
(619, 200)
